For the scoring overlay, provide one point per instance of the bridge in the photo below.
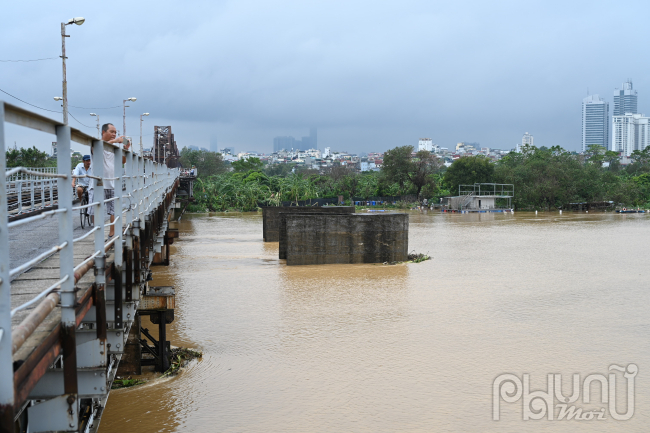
(66, 312)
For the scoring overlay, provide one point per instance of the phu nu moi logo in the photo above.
(553, 404)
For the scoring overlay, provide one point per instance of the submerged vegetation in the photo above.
(126, 383)
(543, 178)
(178, 358)
(418, 257)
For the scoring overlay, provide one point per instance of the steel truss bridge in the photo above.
(65, 322)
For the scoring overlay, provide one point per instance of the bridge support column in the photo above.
(130, 363)
(158, 304)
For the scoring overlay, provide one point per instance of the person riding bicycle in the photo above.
(83, 168)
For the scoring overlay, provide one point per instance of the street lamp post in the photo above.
(124, 114)
(143, 114)
(98, 134)
(78, 21)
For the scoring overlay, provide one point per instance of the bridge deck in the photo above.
(33, 281)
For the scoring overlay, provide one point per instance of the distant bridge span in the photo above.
(64, 324)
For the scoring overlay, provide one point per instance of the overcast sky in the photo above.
(370, 75)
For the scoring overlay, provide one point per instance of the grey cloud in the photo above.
(370, 75)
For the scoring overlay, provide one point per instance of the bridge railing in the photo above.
(30, 192)
(145, 183)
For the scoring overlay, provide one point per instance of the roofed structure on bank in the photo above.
(481, 197)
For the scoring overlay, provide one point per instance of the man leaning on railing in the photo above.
(108, 134)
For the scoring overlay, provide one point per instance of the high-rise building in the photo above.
(425, 144)
(625, 100)
(214, 144)
(313, 138)
(304, 144)
(527, 140)
(595, 122)
(286, 143)
(629, 133)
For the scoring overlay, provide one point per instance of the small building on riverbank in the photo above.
(481, 197)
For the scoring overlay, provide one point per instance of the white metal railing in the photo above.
(23, 176)
(488, 189)
(30, 189)
(145, 185)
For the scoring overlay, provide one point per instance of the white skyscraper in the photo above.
(527, 139)
(595, 122)
(625, 100)
(425, 144)
(630, 132)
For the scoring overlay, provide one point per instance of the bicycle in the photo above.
(83, 213)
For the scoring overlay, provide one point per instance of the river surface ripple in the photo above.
(415, 347)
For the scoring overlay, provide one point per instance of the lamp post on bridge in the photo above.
(124, 114)
(98, 134)
(141, 149)
(78, 21)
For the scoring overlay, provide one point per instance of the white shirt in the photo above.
(109, 167)
(80, 170)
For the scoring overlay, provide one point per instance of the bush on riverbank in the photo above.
(244, 191)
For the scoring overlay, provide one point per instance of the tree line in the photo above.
(543, 178)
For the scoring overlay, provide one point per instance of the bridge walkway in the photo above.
(65, 313)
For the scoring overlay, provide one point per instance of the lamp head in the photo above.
(58, 98)
(78, 21)
(93, 114)
(131, 99)
(145, 114)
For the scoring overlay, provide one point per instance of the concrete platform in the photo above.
(271, 217)
(313, 239)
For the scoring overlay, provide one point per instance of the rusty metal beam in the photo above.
(100, 304)
(27, 327)
(128, 286)
(117, 277)
(69, 346)
(35, 366)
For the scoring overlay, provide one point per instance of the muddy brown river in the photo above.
(429, 347)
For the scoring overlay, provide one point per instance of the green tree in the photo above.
(247, 164)
(397, 165)
(28, 157)
(282, 170)
(422, 170)
(207, 163)
(613, 159)
(641, 162)
(595, 153)
(469, 170)
(409, 172)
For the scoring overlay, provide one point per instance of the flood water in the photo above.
(411, 347)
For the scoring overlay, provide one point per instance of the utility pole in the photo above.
(78, 21)
(124, 114)
(65, 82)
(99, 136)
